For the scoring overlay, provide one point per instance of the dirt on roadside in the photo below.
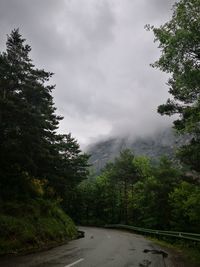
(177, 259)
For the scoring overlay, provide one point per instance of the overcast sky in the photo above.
(100, 54)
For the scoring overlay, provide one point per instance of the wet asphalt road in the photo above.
(99, 247)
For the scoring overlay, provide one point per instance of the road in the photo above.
(99, 248)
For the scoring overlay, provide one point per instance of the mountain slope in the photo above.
(164, 142)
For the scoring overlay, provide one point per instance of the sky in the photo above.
(100, 54)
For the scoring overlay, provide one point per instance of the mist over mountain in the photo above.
(163, 142)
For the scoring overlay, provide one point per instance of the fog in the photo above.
(100, 54)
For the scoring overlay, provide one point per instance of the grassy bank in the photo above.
(34, 225)
(187, 252)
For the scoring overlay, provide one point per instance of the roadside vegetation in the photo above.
(39, 168)
(26, 227)
(134, 191)
(183, 253)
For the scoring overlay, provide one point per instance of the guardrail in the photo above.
(189, 236)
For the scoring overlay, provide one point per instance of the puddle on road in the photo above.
(155, 251)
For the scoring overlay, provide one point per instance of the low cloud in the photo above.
(100, 54)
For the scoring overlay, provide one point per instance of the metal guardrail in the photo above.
(189, 236)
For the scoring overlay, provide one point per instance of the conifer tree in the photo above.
(29, 144)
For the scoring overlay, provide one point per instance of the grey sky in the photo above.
(100, 54)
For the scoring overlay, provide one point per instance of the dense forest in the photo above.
(165, 195)
(132, 190)
(44, 175)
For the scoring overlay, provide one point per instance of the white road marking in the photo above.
(74, 263)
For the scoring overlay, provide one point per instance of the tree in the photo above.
(86, 201)
(179, 41)
(125, 175)
(30, 148)
(27, 118)
(143, 166)
(185, 205)
(72, 168)
(151, 195)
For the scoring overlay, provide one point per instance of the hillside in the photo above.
(34, 225)
(164, 142)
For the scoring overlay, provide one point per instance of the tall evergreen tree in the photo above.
(29, 144)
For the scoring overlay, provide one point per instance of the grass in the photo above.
(189, 251)
(34, 225)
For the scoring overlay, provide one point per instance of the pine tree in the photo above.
(29, 145)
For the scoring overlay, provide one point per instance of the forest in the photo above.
(134, 191)
(46, 182)
(166, 195)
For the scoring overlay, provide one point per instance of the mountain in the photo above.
(164, 142)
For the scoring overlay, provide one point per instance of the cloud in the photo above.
(100, 54)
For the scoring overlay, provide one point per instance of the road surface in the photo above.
(99, 248)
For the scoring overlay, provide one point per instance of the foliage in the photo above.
(143, 166)
(38, 166)
(187, 253)
(152, 196)
(179, 41)
(27, 116)
(37, 224)
(132, 190)
(185, 203)
(34, 159)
